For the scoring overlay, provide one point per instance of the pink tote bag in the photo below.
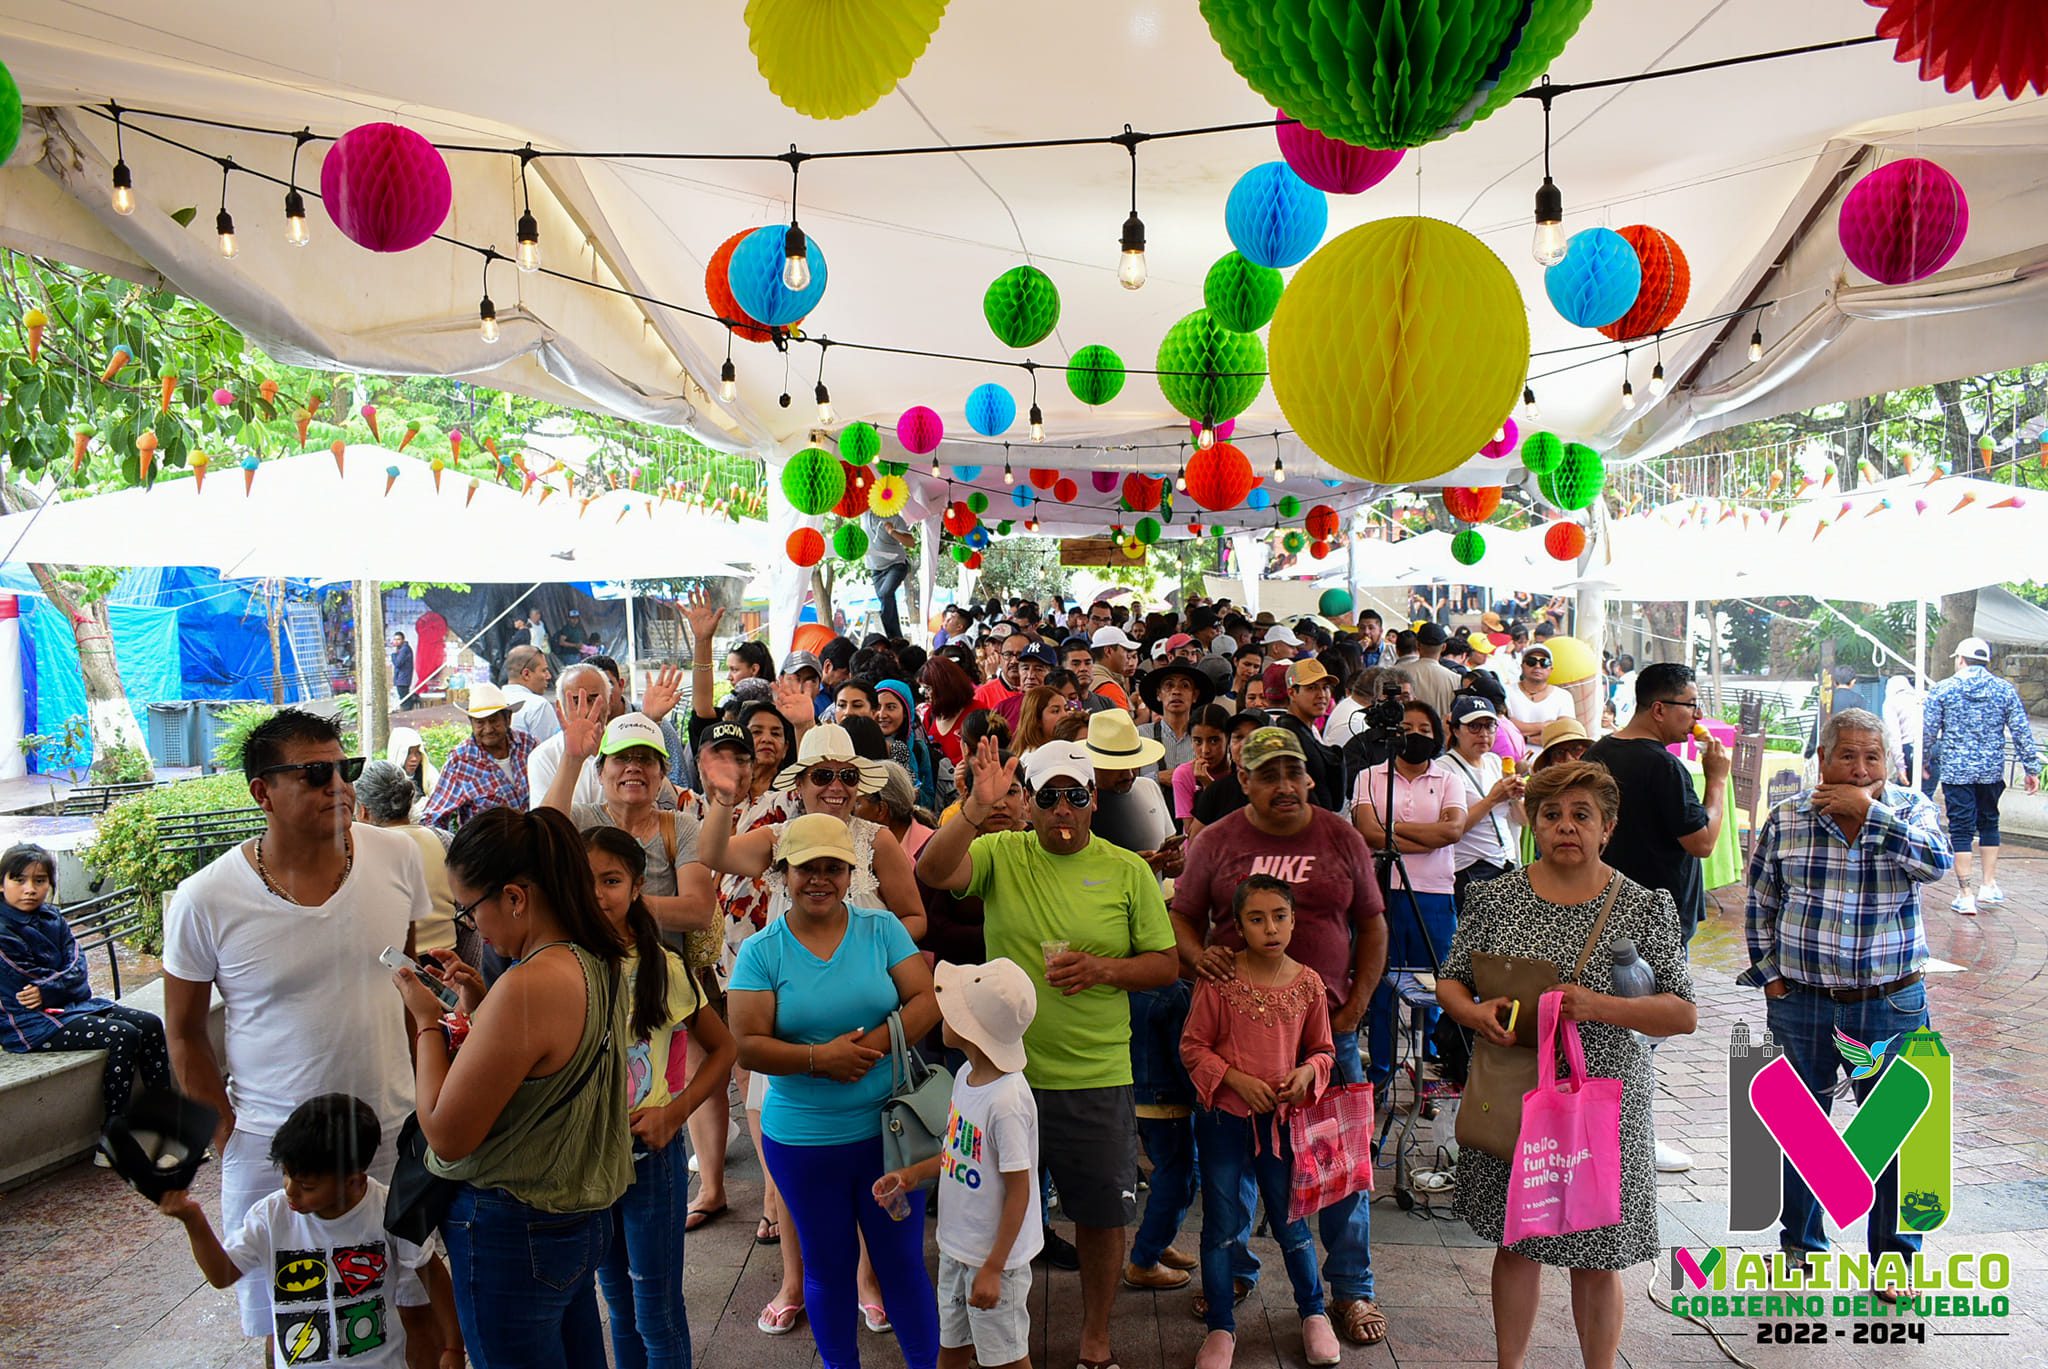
(1567, 1171)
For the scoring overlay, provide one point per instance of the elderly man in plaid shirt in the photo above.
(488, 770)
(1835, 940)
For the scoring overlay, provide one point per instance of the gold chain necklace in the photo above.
(263, 873)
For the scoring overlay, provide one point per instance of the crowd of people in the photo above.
(1146, 883)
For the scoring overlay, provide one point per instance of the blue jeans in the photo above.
(524, 1281)
(1228, 1158)
(1406, 949)
(888, 580)
(1803, 1023)
(642, 1273)
(829, 1193)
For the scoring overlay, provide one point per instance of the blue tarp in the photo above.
(179, 633)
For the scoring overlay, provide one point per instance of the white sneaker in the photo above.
(1988, 894)
(1964, 904)
(1672, 1160)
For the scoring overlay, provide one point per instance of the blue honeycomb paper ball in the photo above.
(1598, 280)
(990, 410)
(755, 275)
(1274, 217)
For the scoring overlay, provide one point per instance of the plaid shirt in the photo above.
(472, 782)
(1839, 913)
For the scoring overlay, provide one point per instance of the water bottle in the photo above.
(1632, 978)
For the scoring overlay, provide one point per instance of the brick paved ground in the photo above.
(90, 1276)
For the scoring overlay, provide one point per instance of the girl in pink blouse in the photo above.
(1256, 1041)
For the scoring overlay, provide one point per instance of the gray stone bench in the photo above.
(50, 1102)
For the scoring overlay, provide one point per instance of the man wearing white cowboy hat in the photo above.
(1086, 921)
(488, 770)
(1967, 720)
(1130, 810)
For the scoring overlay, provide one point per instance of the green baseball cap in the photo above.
(1270, 744)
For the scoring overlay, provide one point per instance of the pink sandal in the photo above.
(778, 1320)
(876, 1317)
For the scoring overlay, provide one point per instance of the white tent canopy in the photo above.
(300, 517)
(1717, 159)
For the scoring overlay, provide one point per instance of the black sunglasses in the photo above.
(1077, 796)
(317, 774)
(1531, 658)
(824, 775)
(464, 914)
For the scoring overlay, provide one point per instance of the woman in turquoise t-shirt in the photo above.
(810, 998)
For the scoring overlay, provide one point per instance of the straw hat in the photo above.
(829, 742)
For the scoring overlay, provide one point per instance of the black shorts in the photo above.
(1088, 1143)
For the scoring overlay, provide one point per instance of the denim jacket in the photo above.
(1157, 1074)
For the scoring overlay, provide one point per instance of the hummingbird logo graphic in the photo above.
(1864, 1061)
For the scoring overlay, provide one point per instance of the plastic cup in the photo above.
(1050, 949)
(894, 1199)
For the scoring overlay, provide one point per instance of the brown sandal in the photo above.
(1198, 1306)
(1360, 1321)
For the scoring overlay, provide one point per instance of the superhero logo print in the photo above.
(360, 1327)
(359, 1268)
(302, 1337)
(301, 1276)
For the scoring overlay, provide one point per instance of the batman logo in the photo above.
(358, 1267)
(301, 1276)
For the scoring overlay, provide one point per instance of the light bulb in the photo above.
(1206, 438)
(1180, 482)
(1628, 395)
(124, 189)
(824, 397)
(728, 382)
(224, 225)
(1657, 383)
(1549, 242)
(796, 259)
(1756, 344)
(295, 218)
(1279, 472)
(1009, 476)
(1037, 425)
(1500, 434)
(1130, 267)
(1529, 410)
(487, 320)
(528, 254)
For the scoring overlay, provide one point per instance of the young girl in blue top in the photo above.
(810, 999)
(46, 998)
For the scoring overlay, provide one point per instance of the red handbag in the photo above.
(1332, 1142)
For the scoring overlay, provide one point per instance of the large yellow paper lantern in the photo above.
(1398, 349)
(833, 58)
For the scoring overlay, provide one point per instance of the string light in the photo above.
(487, 312)
(728, 377)
(1279, 470)
(294, 203)
(796, 249)
(528, 230)
(1036, 415)
(1549, 242)
(224, 222)
(1657, 382)
(1756, 343)
(1130, 266)
(1205, 436)
(1530, 413)
(1628, 391)
(1009, 476)
(124, 180)
(1180, 480)
(820, 393)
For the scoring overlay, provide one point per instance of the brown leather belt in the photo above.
(1860, 995)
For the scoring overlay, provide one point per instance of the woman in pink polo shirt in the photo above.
(1428, 817)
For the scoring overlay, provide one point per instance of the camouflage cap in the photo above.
(1270, 744)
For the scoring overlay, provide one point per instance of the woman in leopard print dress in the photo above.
(1547, 911)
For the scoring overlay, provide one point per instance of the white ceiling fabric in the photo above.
(298, 517)
(1712, 158)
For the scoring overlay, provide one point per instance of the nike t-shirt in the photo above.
(1102, 900)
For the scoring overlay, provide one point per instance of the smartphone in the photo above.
(1514, 1013)
(395, 959)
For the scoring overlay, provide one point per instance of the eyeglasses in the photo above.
(1533, 659)
(1011, 655)
(465, 913)
(1692, 703)
(318, 774)
(1077, 796)
(824, 775)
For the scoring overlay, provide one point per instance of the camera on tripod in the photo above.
(1382, 720)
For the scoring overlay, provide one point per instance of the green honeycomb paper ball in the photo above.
(859, 444)
(1576, 481)
(1003, 528)
(978, 502)
(1294, 540)
(1209, 372)
(1219, 532)
(1542, 452)
(1391, 73)
(849, 542)
(1022, 306)
(1335, 603)
(1242, 294)
(1095, 374)
(813, 481)
(1468, 546)
(1148, 530)
(960, 552)
(892, 468)
(10, 113)
(1290, 507)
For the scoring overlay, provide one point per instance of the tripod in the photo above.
(1387, 862)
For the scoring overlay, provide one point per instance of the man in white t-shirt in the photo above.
(581, 686)
(1533, 701)
(287, 928)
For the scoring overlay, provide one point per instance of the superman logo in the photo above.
(301, 1276)
(302, 1337)
(357, 1268)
